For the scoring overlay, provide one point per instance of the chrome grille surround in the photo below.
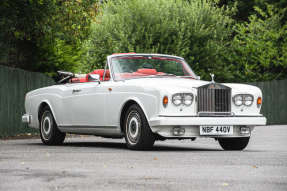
(214, 100)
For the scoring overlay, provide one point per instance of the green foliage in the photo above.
(195, 30)
(246, 8)
(51, 35)
(44, 35)
(69, 27)
(20, 27)
(259, 47)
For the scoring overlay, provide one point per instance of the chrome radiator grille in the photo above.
(214, 98)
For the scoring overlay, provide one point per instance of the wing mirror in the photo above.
(94, 78)
(197, 78)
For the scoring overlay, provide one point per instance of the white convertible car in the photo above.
(144, 98)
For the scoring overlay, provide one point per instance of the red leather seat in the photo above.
(86, 79)
(147, 71)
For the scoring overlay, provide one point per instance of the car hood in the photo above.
(184, 83)
(167, 81)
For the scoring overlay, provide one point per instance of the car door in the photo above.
(84, 104)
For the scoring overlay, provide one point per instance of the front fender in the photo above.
(148, 104)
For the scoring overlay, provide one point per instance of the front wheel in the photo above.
(234, 143)
(49, 132)
(138, 134)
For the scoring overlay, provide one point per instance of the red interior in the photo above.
(139, 72)
(146, 71)
(86, 79)
(101, 73)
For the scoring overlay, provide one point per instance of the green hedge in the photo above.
(195, 30)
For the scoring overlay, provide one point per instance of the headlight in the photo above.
(182, 98)
(187, 99)
(243, 99)
(177, 99)
(248, 100)
(238, 100)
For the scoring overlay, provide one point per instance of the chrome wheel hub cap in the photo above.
(133, 127)
(46, 126)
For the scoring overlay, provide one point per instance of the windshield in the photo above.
(135, 66)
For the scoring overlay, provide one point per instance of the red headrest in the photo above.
(147, 71)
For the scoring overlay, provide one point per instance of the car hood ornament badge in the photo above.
(212, 78)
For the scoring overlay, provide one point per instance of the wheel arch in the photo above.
(42, 106)
(125, 107)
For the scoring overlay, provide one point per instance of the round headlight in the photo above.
(188, 98)
(177, 99)
(248, 100)
(238, 100)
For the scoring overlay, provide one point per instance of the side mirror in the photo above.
(94, 78)
(197, 78)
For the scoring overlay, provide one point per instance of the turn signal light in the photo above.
(165, 101)
(259, 101)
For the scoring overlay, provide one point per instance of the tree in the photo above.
(259, 49)
(195, 30)
(246, 8)
(44, 35)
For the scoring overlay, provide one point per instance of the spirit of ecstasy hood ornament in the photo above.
(212, 78)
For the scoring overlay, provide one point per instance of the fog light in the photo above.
(178, 131)
(244, 130)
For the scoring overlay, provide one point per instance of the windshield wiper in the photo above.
(165, 74)
(186, 77)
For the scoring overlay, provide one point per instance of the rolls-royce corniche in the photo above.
(144, 98)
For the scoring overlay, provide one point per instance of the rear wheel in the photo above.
(49, 132)
(138, 134)
(234, 143)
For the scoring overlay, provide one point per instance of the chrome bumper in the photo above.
(195, 120)
(164, 126)
(26, 118)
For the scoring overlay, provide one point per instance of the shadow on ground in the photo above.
(122, 146)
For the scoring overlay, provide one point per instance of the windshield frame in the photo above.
(109, 59)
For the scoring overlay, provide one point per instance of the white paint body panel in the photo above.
(94, 106)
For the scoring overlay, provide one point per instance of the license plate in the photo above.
(216, 130)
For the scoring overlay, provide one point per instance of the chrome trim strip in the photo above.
(212, 116)
(216, 114)
(93, 130)
(87, 127)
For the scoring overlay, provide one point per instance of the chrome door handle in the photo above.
(76, 90)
